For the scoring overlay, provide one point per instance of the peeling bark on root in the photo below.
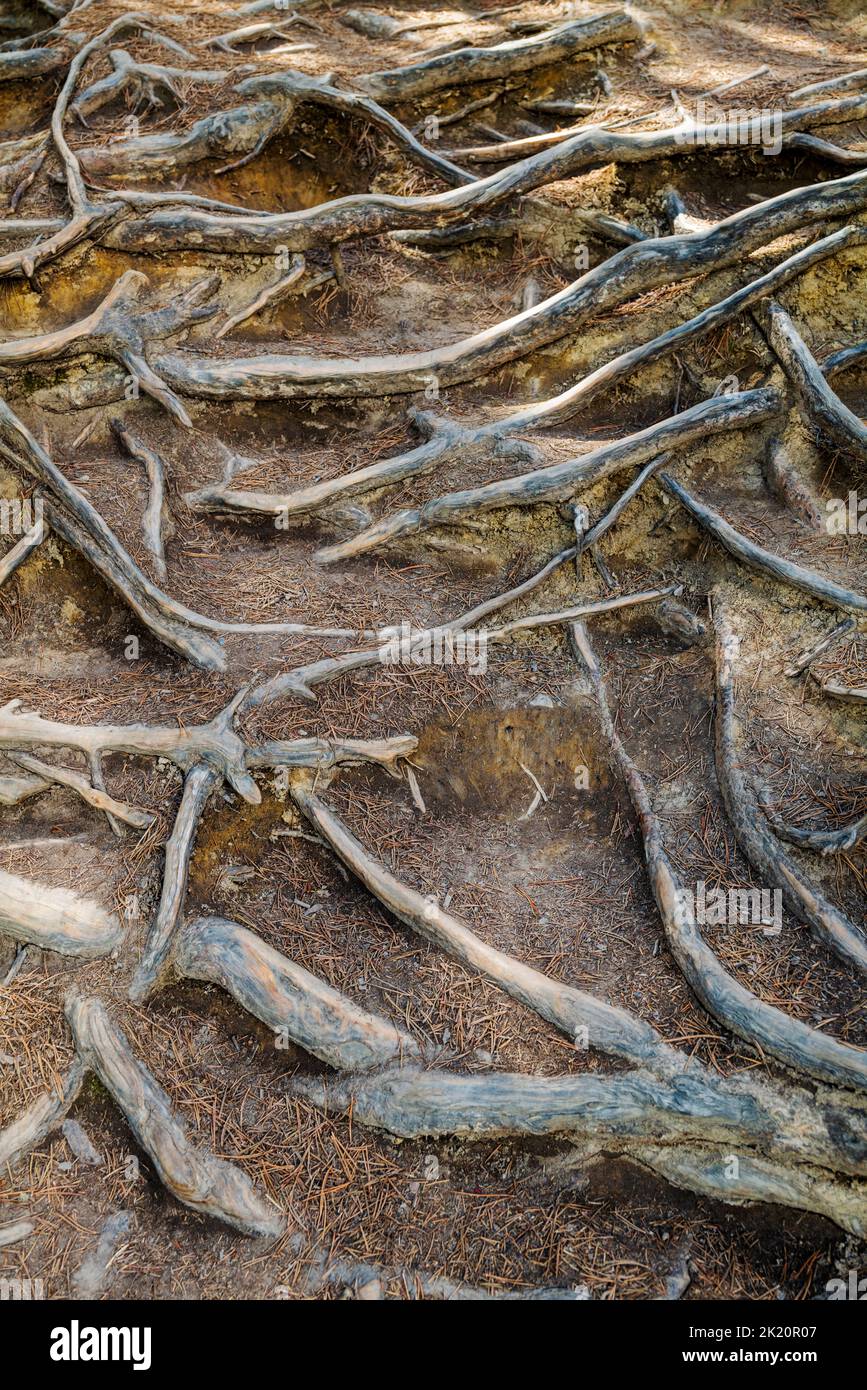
(209, 1185)
(369, 214)
(466, 65)
(561, 482)
(767, 856)
(793, 1043)
(287, 997)
(56, 919)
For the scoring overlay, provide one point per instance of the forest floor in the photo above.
(563, 888)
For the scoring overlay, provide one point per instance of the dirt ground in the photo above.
(564, 888)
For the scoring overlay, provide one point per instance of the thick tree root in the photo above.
(214, 743)
(207, 1184)
(560, 482)
(56, 919)
(369, 214)
(467, 65)
(297, 1005)
(767, 856)
(759, 559)
(667, 1125)
(271, 377)
(607, 1028)
(243, 132)
(793, 1043)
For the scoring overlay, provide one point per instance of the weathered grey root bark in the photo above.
(767, 856)
(825, 841)
(758, 558)
(214, 743)
(300, 681)
(199, 783)
(42, 1117)
(560, 482)
(56, 919)
(793, 1043)
(94, 796)
(242, 132)
(270, 377)
(302, 1008)
(186, 223)
(665, 1125)
(155, 516)
(821, 407)
(207, 1184)
(609, 1029)
(467, 65)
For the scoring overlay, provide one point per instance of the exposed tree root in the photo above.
(825, 841)
(767, 856)
(822, 408)
(153, 519)
(759, 559)
(199, 783)
(20, 550)
(660, 1120)
(793, 1043)
(56, 919)
(207, 1184)
(301, 1008)
(42, 1117)
(369, 214)
(270, 377)
(562, 481)
(100, 800)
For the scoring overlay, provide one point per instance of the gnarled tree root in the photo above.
(196, 1177)
(56, 919)
(560, 482)
(666, 1125)
(757, 558)
(285, 996)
